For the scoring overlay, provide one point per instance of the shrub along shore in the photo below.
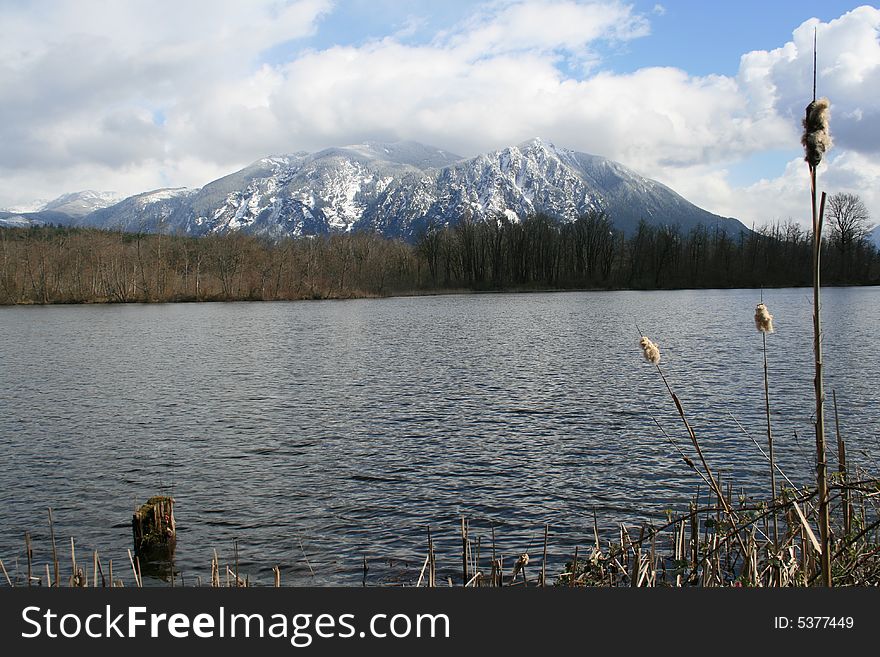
(716, 542)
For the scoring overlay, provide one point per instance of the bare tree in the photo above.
(848, 219)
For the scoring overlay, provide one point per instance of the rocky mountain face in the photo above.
(874, 237)
(400, 189)
(162, 210)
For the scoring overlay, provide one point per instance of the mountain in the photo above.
(874, 237)
(160, 210)
(399, 189)
(538, 177)
(79, 204)
(14, 219)
(10, 219)
(64, 209)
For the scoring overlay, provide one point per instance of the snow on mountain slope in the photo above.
(78, 204)
(400, 188)
(334, 190)
(159, 210)
(14, 220)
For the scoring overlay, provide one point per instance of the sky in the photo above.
(706, 97)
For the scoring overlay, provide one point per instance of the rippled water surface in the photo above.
(321, 433)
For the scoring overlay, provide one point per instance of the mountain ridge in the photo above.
(401, 189)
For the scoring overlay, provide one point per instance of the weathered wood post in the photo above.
(155, 534)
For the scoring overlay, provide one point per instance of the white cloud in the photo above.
(778, 84)
(82, 83)
(782, 198)
(545, 25)
(848, 70)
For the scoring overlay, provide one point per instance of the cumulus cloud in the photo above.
(493, 81)
(782, 198)
(781, 80)
(83, 82)
(116, 95)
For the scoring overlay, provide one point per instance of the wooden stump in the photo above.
(155, 534)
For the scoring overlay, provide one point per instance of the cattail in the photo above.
(651, 350)
(816, 138)
(521, 563)
(763, 319)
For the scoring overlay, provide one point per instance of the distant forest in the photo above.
(55, 264)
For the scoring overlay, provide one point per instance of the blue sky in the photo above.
(704, 96)
(700, 36)
(705, 36)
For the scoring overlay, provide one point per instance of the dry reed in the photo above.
(763, 319)
(816, 138)
(764, 324)
(650, 350)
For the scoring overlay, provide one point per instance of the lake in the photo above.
(320, 433)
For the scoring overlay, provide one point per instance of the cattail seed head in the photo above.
(650, 350)
(521, 563)
(816, 138)
(763, 319)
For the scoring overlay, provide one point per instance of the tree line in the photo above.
(540, 252)
(53, 264)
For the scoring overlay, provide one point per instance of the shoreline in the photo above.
(415, 294)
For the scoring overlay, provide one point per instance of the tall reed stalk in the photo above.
(764, 324)
(652, 354)
(819, 386)
(816, 140)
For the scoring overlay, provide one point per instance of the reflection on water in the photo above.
(318, 433)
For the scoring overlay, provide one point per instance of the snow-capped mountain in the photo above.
(10, 219)
(149, 212)
(64, 209)
(398, 189)
(78, 204)
(14, 220)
